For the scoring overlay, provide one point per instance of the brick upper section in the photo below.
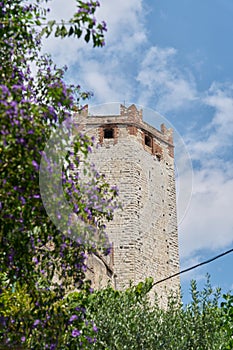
(129, 116)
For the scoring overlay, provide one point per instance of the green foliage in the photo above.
(65, 322)
(39, 261)
(83, 23)
(227, 307)
(128, 320)
(122, 318)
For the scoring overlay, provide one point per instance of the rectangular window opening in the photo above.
(148, 141)
(109, 133)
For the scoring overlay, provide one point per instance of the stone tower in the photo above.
(139, 160)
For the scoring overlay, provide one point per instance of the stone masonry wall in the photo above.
(139, 160)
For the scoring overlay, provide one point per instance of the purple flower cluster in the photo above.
(33, 251)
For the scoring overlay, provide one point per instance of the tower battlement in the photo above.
(132, 118)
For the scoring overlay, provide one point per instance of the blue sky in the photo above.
(174, 57)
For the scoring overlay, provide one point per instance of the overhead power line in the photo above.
(194, 267)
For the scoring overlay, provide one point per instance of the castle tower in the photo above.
(139, 160)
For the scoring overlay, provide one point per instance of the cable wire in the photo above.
(194, 266)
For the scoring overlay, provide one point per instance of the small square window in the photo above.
(109, 133)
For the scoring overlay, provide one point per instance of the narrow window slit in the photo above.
(148, 141)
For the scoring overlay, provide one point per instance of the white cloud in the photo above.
(216, 136)
(100, 80)
(103, 70)
(209, 221)
(124, 22)
(220, 96)
(160, 76)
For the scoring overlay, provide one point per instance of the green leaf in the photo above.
(87, 36)
(71, 31)
(77, 31)
(63, 31)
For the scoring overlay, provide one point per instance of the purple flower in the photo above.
(36, 322)
(36, 166)
(23, 339)
(35, 260)
(89, 339)
(75, 333)
(22, 200)
(104, 26)
(3, 320)
(18, 87)
(95, 329)
(73, 318)
(107, 250)
(11, 257)
(21, 140)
